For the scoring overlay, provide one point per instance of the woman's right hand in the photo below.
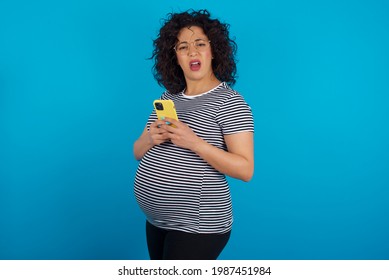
(154, 135)
(158, 134)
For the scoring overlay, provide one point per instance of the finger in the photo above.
(157, 127)
(159, 132)
(159, 138)
(173, 122)
(175, 138)
(159, 123)
(171, 128)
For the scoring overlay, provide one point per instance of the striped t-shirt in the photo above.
(177, 189)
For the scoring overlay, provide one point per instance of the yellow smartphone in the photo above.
(165, 108)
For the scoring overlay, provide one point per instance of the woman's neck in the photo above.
(199, 87)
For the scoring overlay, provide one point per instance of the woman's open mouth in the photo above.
(195, 65)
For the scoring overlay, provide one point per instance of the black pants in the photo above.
(177, 245)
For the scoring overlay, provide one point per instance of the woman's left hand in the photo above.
(181, 134)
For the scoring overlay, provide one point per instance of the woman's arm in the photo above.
(142, 145)
(237, 162)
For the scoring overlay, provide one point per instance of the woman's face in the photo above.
(194, 54)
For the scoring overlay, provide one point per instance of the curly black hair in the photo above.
(166, 70)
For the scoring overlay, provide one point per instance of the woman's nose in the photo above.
(192, 49)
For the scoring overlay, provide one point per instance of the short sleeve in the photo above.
(235, 115)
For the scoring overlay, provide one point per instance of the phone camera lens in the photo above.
(159, 106)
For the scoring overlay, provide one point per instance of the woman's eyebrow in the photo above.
(198, 39)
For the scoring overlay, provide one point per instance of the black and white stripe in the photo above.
(176, 188)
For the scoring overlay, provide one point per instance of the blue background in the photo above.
(76, 89)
